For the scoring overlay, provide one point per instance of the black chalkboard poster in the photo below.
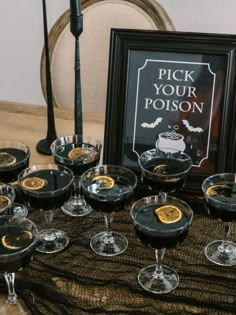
(178, 94)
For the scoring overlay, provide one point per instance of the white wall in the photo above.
(21, 37)
(22, 41)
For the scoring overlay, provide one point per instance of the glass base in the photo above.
(221, 255)
(12, 299)
(159, 284)
(111, 244)
(76, 207)
(19, 210)
(52, 241)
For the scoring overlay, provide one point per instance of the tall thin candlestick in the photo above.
(76, 27)
(43, 145)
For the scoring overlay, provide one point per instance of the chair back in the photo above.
(99, 16)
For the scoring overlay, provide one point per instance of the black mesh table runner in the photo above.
(77, 281)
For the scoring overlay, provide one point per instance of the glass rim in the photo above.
(71, 136)
(167, 175)
(213, 176)
(110, 165)
(51, 166)
(171, 198)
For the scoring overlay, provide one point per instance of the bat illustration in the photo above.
(152, 125)
(190, 128)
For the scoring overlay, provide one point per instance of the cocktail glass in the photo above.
(18, 241)
(47, 187)
(79, 153)
(108, 189)
(160, 223)
(219, 191)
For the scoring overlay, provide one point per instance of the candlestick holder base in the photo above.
(43, 146)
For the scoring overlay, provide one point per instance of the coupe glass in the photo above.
(108, 189)
(79, 153)
(160, 223)
(47, 187)
(7, 197)
(219, 192)
(14, 158)
(18, 242)
(164, 170)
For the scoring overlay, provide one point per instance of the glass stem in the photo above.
(48, 215)
(158, 273)
(77, 186)
(108, 217)
(10, 280)
(50, 235)
(162, 195)
(224, 247)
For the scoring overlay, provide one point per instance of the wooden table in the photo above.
(28, 124)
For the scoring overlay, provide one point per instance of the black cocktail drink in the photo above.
(156, 233)
(164, 171)
(14, 157)
(105, 199)
(46, 188)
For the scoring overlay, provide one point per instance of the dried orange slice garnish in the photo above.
(33, 183)
(105, 182)
(168, 214)
(161, 169)
(215, 190)
(4, 201)
(76, 153)
(16, 240)
(6, 159)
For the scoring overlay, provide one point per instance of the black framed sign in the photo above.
(176, 88)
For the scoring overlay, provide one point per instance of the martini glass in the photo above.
(18, 241)
(79, 153)
(219, 191)
(108, 189)
(47, 187)
(160, 223)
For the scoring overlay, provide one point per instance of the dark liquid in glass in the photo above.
(162, 174)
(78, 166)
(54, 194)
(155, 234)
(109, 200)
(222, 205)
(13, 263)
(9, 173)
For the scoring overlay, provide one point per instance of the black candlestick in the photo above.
(76, 27)
(43, 145)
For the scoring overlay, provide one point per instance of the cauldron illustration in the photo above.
(170, 141)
